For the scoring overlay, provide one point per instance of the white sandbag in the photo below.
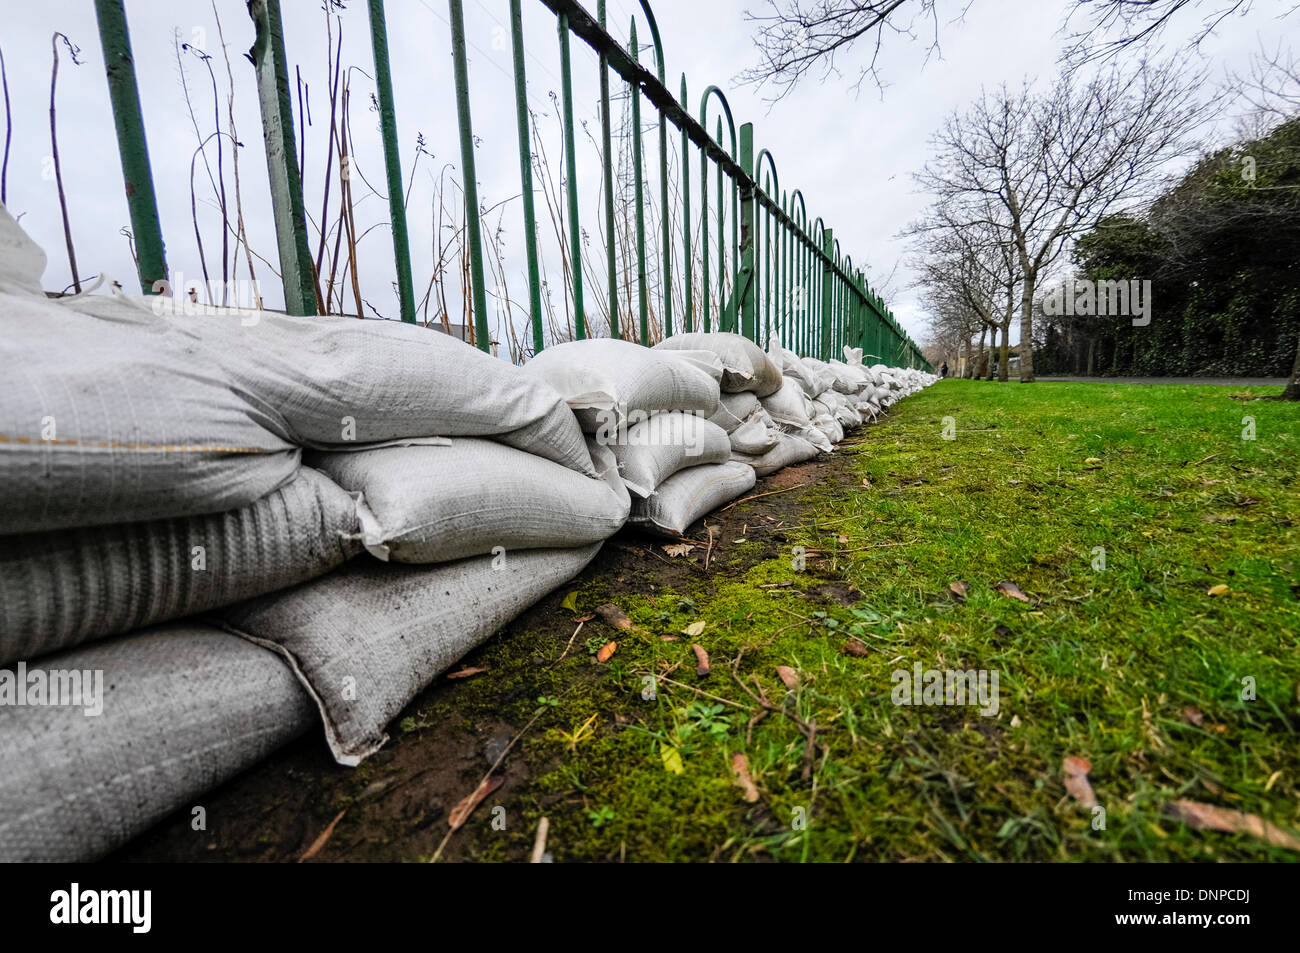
(59, 589)
(734, 409)
(746, 367)
(468, 497)
(184, 708)
(22, 261)
(653, 450)
(607, 381)
(792, 368)
(369, 637)
(754, 438)
(821, 372)
(789, 405)
(335, 381)
(789, 450)
(853, 356)
(849, 379)
(122, 421)
(829, 426)
(706, 361)
(689, 494)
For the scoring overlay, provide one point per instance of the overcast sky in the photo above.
(852, 154)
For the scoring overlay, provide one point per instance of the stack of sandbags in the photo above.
(660, 412)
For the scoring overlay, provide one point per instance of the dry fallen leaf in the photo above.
(1076, 780)
(842, 540)
(614, 616)
(959, 588)
(1093, 460)
(669, 638)
(1193, 716)
(319, 842)
(1218, 590)
(678, 549)
(854, 647)
(702, 658)
(1009, 588)
(740, 764)
(866, 483)
(606, 651)
(694, 629)
(461, 812)
(788, 675)
(1208, 817)
(466, 672)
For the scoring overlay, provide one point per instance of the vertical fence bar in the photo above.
(392, 160)
(571, 183)
(666, 279)
(828, 275)
(281, 158)
(687, 305)
(747, 274)
(643, 303)
(128, 120)
(482, 338)
(724, 324)
(607, 163)
(526, 174)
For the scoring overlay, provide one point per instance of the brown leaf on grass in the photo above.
(1193, 716)
(669, 638)
(1208, 817)
(702, 658)
(1219, 590)
(319, 842)
(855, 648)
(606, 651)
(866, 483)
(1218, 519)
(1009, 588)
(614, 616)
(788, 675)
(959, 589)
(466, 672)
(740, 764)
(678, 549)
(1076, 780)
(461, 812)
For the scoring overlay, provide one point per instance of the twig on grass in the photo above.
(784, 489)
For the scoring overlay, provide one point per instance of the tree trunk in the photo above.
(1092, 350)
(1027, 330)
(1005, 363)
(1292, 391)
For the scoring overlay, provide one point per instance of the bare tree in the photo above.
(1041, 169)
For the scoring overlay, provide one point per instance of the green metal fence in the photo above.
(787, 278)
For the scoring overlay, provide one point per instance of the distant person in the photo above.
(943, 371)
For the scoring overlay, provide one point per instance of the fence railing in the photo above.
(788, 277)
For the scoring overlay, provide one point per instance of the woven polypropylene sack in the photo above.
(337, 381)
(754, 438)
(689, 494)
(185, 707)
(605, 380)
(745, 365)
(62, 588)
(108, 421)
(656, 448)
(788, 451)
(789, 405)
(22, 261)
(734, 410)
(433, 504)
(367, 638)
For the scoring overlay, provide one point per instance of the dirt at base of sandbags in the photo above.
(396, 805)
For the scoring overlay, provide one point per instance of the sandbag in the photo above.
(689, 494)
(706, 361)
(22, 261)
(335, 381)
(734, 409)
(468, 497)
(789, 405)
(655, 449)
(745, 365)
(187, 707)
(59, 589)
(754, 438)
(821, 372)
(367, 638)
(123, 421)
(789, 450)
(829, 426)
(608, 382)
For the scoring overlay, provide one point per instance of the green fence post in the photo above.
(392, 160)
(748, 230)
(128, 121)
(688, 315)
(828, 277)
(607, 162)
(526, 175)
(571, 183)
(638, 188)
(282, 159)
(482, 338)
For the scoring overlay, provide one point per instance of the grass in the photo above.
(1169, 692)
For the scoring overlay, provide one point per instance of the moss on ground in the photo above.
(1134, 666)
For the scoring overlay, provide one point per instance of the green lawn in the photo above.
(1134, 667)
